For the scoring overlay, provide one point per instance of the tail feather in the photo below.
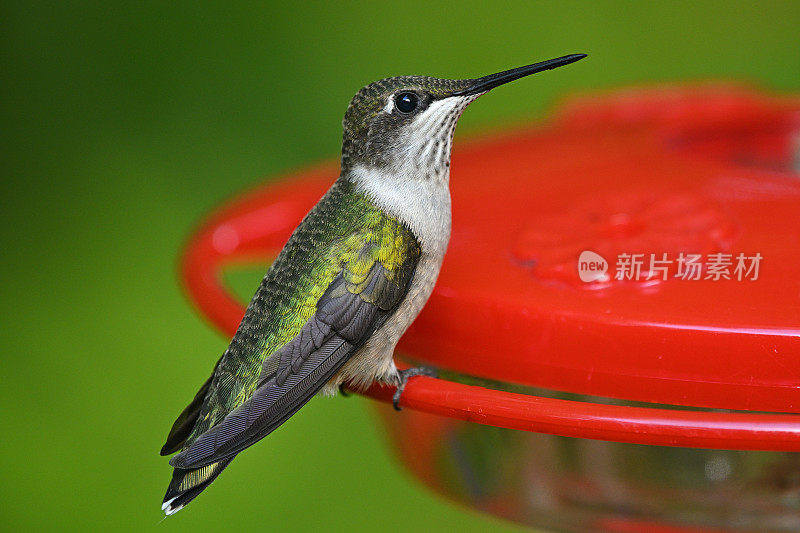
(186, 485)
(186, 421)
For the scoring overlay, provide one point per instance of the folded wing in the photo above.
(354, 305)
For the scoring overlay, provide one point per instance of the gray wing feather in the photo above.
(342, 323)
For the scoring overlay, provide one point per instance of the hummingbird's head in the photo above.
(406, 123)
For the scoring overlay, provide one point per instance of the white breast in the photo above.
(425, 208)
(421, 202)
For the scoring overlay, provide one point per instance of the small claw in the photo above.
(404, 375)
(343, 391)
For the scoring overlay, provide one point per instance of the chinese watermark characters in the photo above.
(663, 266)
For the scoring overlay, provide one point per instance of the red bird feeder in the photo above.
(627, 275)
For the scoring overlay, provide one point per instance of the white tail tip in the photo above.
(168, 509)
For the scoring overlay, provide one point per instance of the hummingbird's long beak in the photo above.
(491, 81)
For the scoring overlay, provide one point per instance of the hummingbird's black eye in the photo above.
(406, 102)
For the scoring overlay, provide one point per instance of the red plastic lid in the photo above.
(669, 171)
(703, 172)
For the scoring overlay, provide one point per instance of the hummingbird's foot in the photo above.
(343, 390)
(409, 373)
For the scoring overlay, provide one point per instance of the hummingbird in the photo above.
(350, 280)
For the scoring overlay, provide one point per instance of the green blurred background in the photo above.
(122, 125)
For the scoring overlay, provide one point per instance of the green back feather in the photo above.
(344, 231)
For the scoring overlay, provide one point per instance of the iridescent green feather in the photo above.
(344, 233)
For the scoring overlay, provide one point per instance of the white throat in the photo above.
(425, 145)
(414, 186)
